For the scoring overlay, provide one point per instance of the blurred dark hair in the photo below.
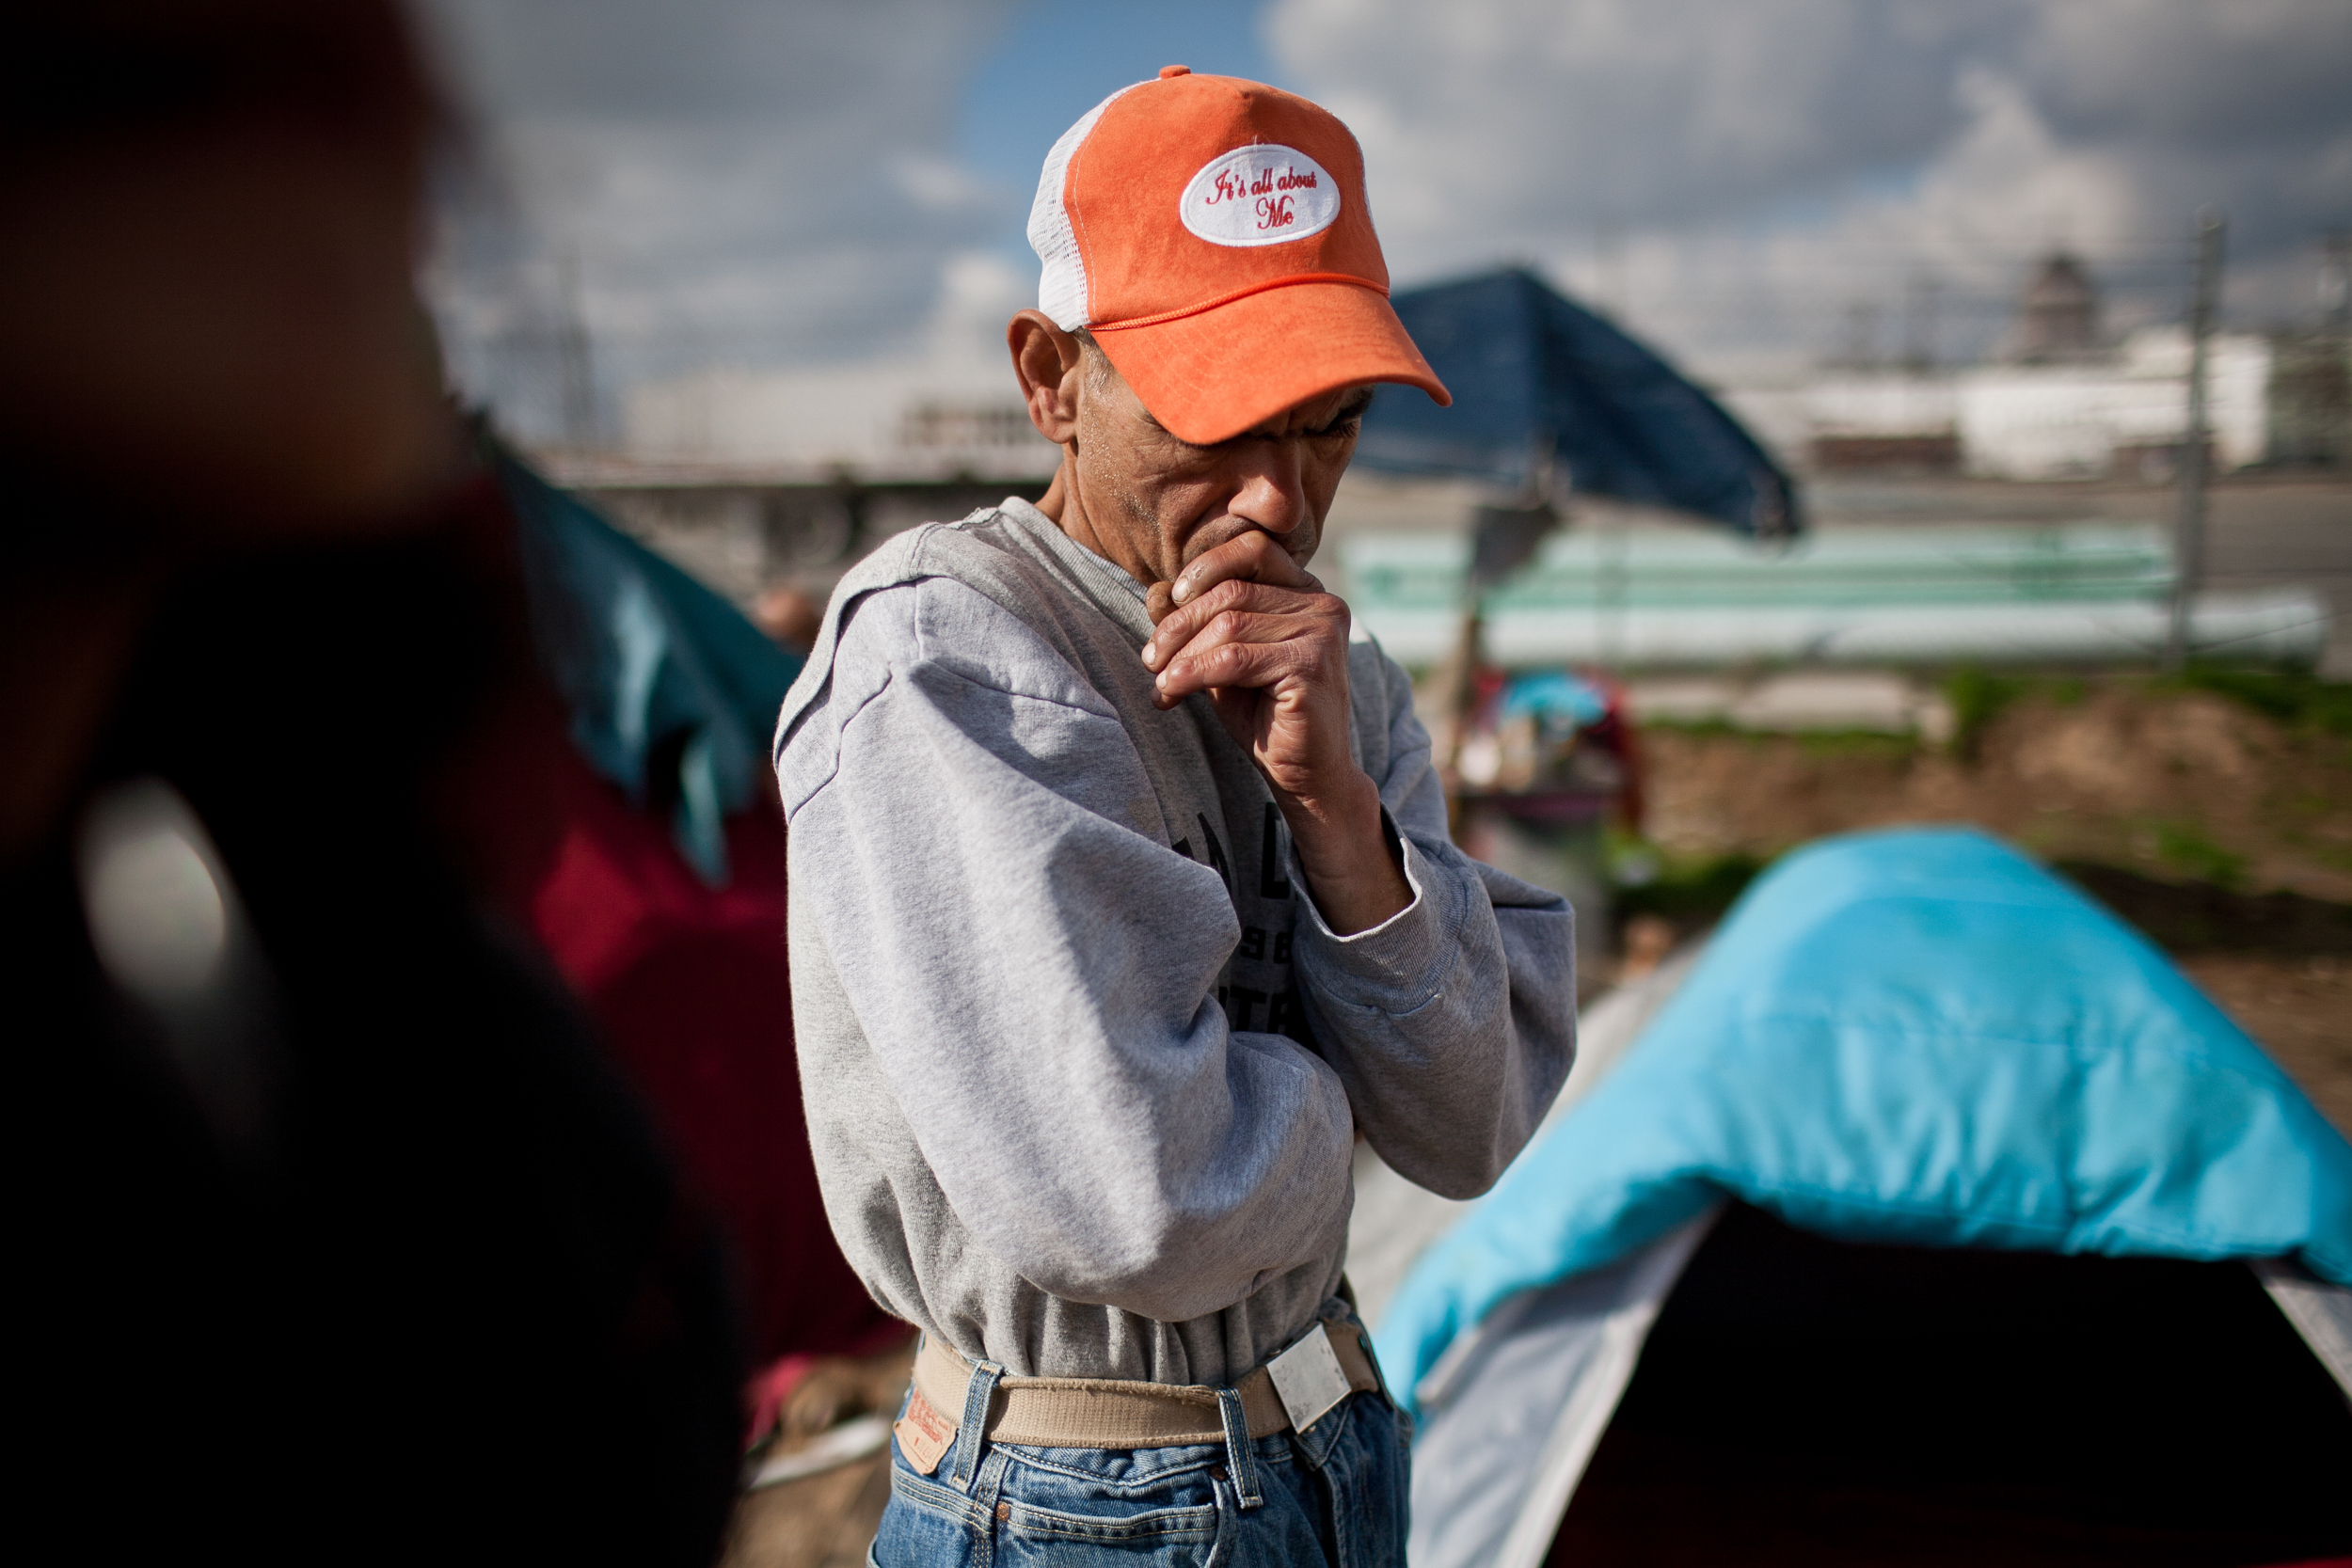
(107, 69)
(208, 319)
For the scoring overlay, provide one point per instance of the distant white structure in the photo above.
(2088, 419)
(2058, 405)
(2125, 412)
(889, 422)
(1859, 403)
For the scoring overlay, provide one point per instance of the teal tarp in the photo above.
(1916, 1037)
(660, 673)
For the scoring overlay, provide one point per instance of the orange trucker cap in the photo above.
(1212, 233)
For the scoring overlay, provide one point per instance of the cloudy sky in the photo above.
(1752, 184)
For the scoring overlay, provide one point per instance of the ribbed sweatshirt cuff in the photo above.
(1396, 966)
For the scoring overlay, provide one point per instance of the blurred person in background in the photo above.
(790, 617)
(334, 1232)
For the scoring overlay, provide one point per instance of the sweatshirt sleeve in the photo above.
(1453, 1024)
(1038, 978)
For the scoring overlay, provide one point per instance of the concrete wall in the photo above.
(889, 421)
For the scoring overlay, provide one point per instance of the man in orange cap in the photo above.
(1122, 900)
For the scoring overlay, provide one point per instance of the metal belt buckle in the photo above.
(1308, 1378)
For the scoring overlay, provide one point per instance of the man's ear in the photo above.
(1051, 368)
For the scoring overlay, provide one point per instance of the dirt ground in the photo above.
(2187, 784)
(828, 1519)
(820, 1521)
(2301, 1011)
(2224, 832)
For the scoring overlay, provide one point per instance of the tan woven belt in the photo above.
(1102, 1413)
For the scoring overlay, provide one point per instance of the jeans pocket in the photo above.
(1066, 1519)
(1162, 1536)
(926, 1525)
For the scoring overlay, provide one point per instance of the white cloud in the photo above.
(747, 181)
(773, 183)
(1771, 165)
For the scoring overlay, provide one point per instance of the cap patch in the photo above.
(1264, 194)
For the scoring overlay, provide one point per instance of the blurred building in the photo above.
(2061, 401)
(888, 424)
(1899, 419)
(750, 479)
(2058, 317)
(2310, 398)
(2122, 413)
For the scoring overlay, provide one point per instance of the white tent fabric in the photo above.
(1513, 1412)
(1546, 1372)
(2321, 1313)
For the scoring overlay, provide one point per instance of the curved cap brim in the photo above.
(1211, 375)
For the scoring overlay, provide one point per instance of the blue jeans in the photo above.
(1335, 1494)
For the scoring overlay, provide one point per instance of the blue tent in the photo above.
(1912, 1039)
(1531, 370)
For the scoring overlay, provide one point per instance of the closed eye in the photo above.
(1344, 421)
(1349, 417)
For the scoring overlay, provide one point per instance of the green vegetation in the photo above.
(2293, 697)
(1857, 743)
(1690, 893)
(1814, 742)
(1976, 700)
(2184, 848)
(1711, 728)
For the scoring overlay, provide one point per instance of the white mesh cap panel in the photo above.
(1061, 290)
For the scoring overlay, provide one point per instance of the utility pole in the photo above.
(2188, 528)
(2335, 285)
(1920, 299)
(2335, 300)
(1862, 332)
(577, 371)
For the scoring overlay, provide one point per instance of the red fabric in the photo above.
(692, 987)
(774, 1382)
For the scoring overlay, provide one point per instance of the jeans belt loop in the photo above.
(972, 1435)
(1240, 1458)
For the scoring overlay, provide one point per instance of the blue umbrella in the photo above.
(1536, 377)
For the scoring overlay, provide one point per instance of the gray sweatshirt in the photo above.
(1083, 1063)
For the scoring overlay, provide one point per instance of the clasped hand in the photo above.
(1253, 629)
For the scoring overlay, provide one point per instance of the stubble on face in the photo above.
(1167, 497)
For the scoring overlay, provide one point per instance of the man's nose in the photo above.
(1272, 492)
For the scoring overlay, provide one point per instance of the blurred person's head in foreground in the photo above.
(209, 308)
(327, 1197)
(208, 336)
